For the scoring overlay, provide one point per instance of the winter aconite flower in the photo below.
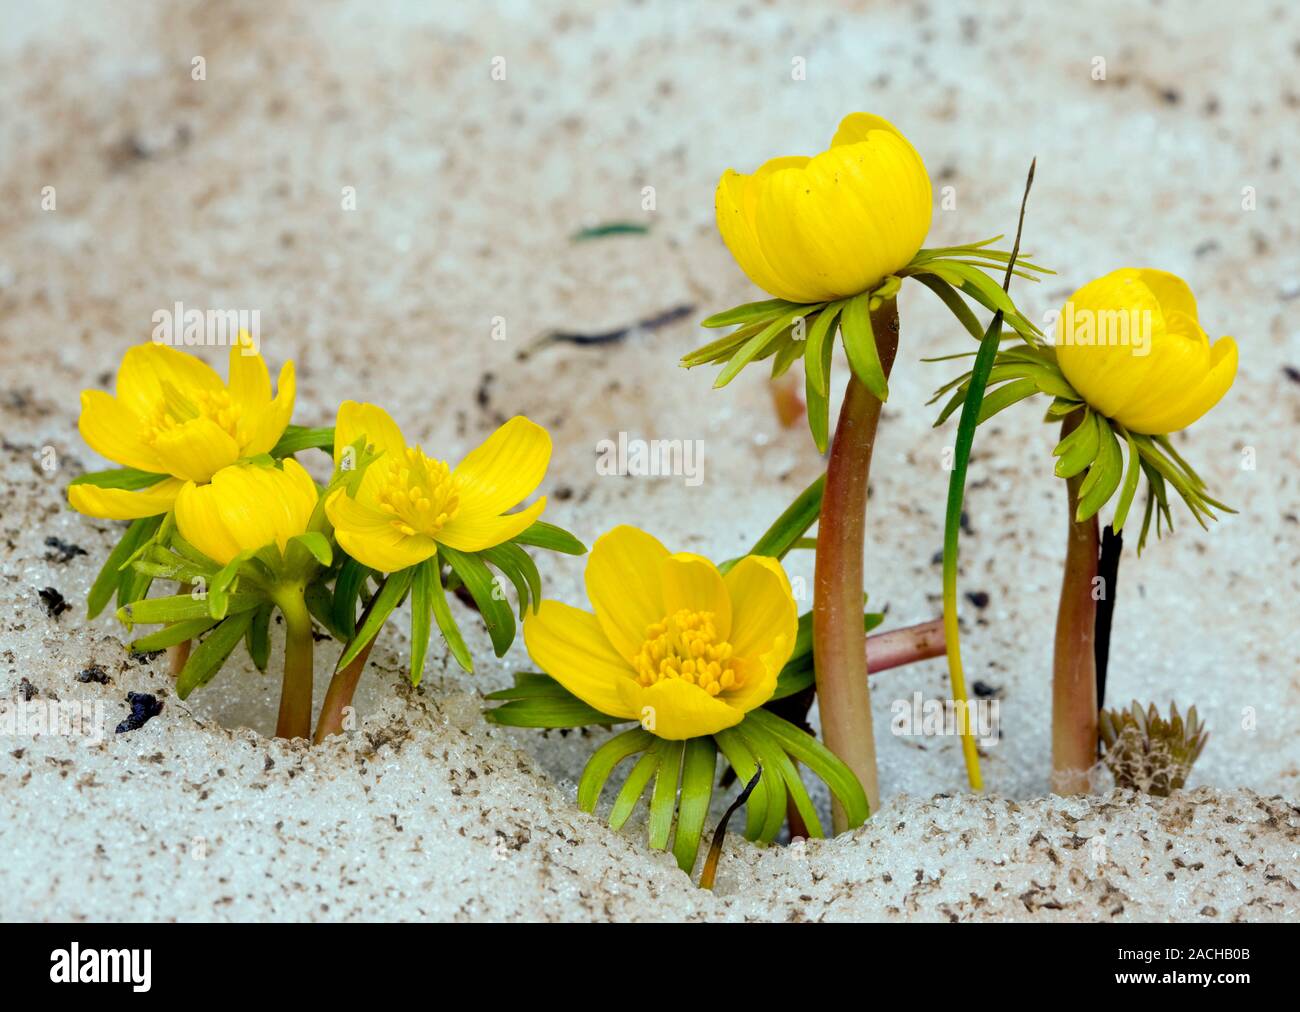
(1131, 345)
(408, 503)
(173, 417)
(831, 226)
(673, 643)
(246, 507)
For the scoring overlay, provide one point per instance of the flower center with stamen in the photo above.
(686, 645)
(421, 493)
(176, 408)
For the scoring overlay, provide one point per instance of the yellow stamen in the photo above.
(685, 645)
(419, 492)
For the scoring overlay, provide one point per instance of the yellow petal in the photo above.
(568, 645)
(119, 504)
(734, 210)
(506, 469)
(625, 587)
(195, 450)
(762, 607)
(370, 537)
(471, 532)
(854, 214)
(1198, 400)
(249, 506)
(113, 431)
(694, 583)
(269, 424)
(199, 519)
(677, 710)
(856, 127)
(355, 420)
(146, 367)
(250, 382)
(1131, 345)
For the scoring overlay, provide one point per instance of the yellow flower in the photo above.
(1130, 344)
(831, 226)
(408, 503)
(246, 507)
(673, 643)
(172, 415)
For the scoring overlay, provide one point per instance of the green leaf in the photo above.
(519, 569)
(551, 538)
(386, 599)
(634, 787)
(320, 605)
(170, 635)
(1108, 468)
(427, 573)
(348, 584)
(297, 438)
(110, 576)
(742, 760)
(789, 527)
(750, 312)
(723, 347)
(1079, 448)
(786, 355)
(699, 764)
(316, 545)
(258, 638)
(821, 760)
(794, 677)
(447, 625)
(486, 592)
(955, 303)
(128, 479)
(1005, 396)
(794, 785)
(663, 799)
(770, 756)
(860, 344)
(818, 407)
(180, 607)
(1131, 476)
(757, 344)
(529, 684)
(206, 659)
(604, 759)
(544, 711)
(817, 354)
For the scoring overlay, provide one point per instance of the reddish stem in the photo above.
(912, 643)
(1074, 664)
(839, 641)
(338, 697)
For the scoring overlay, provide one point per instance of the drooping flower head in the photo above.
(172, 415)
(673, 643)
(408, 503)
(246, 507)
(1130, 343)
(831, 226)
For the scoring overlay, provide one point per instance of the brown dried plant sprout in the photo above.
(1145, 752)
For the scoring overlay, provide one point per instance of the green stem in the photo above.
(296, 689)
(1074, 665)
(839, 640)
